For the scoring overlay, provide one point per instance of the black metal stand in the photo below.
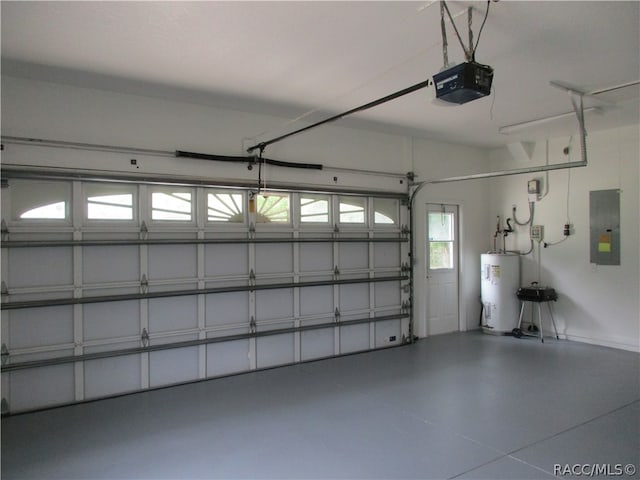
(537, 296)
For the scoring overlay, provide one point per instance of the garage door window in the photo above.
(352, 210)
(109, 202)
(273, 207)
(314, 208)
(40, 200)
(225, 206)
(386, 211)
(172, 204)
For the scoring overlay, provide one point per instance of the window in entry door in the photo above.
(441, 237)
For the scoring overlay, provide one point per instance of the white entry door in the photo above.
(442, 269)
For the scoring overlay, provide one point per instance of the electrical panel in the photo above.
(537, 233)
(604, 226)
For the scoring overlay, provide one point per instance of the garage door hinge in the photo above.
(143, 231)
(336, 271)
(405, 230)
(337, 315)
(4, 229)
(406, 288)
(252, 276)
(252, 229)
(252, 326)
(5, 354)
(405, 267)
(4, 289)
(144, 283)
(144, 337)
(4, 406)
(336, 229)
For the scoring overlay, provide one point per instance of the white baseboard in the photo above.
(615, 342)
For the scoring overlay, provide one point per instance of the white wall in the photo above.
(597, 304)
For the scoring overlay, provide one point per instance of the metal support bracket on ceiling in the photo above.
(470, 50)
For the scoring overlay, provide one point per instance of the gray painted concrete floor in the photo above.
(452, 406)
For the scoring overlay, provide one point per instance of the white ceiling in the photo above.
(292, 58)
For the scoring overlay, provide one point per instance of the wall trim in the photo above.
(620, 343)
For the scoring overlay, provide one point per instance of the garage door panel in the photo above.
(170, 314)
(165, 339)
(274, 258)
(228, 357)
(37, 267)
(42, 387)
(387, 294)
(226, 260)
(111, 320)
(173, 366)
(134, 288)
(317, 278)
(118, 344)
(388, 332)
(109, 376)
(354, 338)
(228, 282)
(316, 300)
(172, 261)
(274, 304)
(28, 357)
(110, 264)
(354, 255)
(34, 327)
(173, 287)
(316, 257)
(354, 296)
(317, 343)
(275, 350)
(227, 308)
(386, 255)
(180, 271)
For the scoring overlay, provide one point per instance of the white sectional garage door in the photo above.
(113, 287)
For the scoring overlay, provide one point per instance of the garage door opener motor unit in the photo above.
(464, 82)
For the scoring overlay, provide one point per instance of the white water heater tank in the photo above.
(500, 279)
